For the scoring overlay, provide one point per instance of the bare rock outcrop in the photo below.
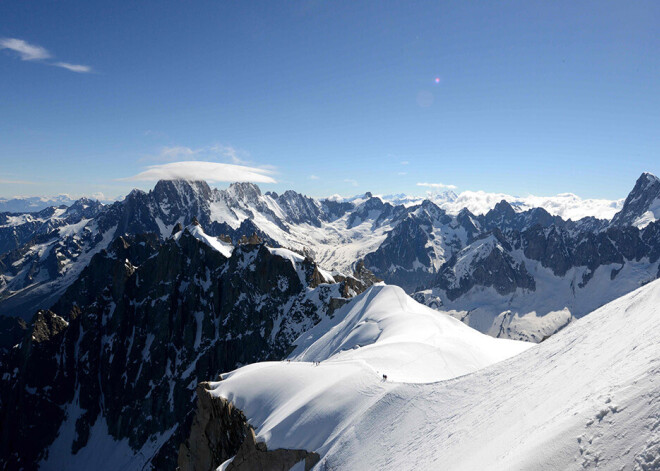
(220, 431)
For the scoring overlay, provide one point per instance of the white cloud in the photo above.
(26, 51)
(404, 162)
(176, 153)
(16, 182)
(209, 171)
(155, 134)
(313, 177)
(218, 151)
(236, 156)
(351, 181)
(438, 185)
(81, 69)
(32, 52)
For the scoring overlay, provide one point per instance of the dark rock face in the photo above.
(404, 245)
(407, 255)
(489, 264)
(336, 209)
(640, 199)
(365, 275)
(255, 456)
(220, 431)
(300, 208)
(556, 248)
(12, 330)
(144, 322)
(28, 399)
(550, 246)
(217, 432)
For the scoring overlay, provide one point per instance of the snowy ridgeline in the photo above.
(504, 269)
(584, 398)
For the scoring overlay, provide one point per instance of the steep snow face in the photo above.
(642, 206)
(381, 332)
(390, 332)
(198, 233)
(585, 398)
(650, 215)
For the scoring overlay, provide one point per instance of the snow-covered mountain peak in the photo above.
(135, 193)
(642, 206)
(649, 178)
(244, 191)
(195, 230)
(433, 212)
(392, 333)
(182, 192)
(182, 186)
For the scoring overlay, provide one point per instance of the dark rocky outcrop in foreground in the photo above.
(220, 431)
(144, 323)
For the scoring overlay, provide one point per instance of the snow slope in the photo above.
(653, 214)
(588, 397)
(391, 333)
(198, 233)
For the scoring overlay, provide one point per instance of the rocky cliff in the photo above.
(121, 353)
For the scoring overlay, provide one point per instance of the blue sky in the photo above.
(331, 97)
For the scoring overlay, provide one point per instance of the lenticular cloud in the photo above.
(209, 171)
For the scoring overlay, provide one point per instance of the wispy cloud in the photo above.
(175, 153)
(313, 177)
(32, 52)
(214, 152)
(25, 50)
(438, 185)
(16, 182)
(202, 170)
(153, 133)
(236, 156)
(81, 69)
(351, 181)
(402, 173)
(404, 162)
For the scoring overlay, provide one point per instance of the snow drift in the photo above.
(587, 397)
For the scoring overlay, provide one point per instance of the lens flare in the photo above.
(437, 80)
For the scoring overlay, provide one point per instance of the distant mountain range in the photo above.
(565, 205)
(493, 270)
(31, 204)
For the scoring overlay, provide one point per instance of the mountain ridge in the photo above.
(414, 246)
